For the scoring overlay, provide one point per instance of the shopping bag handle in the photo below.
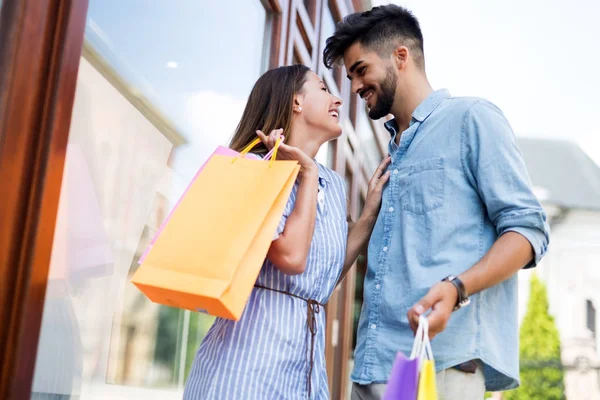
(272, 155)
(422, 345)
(273, 152)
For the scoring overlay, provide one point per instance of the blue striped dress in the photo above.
(265, 355)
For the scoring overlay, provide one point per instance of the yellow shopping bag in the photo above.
(427, 384)
(209, 253)
(427, 389)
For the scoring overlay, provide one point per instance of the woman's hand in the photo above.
(360, 232)
(286, 152)
(376, 184)
(289, 253)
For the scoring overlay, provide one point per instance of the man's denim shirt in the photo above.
(457, 183)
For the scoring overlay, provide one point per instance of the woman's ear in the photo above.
(297, 104)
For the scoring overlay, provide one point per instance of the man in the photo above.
(458, 218)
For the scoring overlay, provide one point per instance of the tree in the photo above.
(169, 338)
(541, 368)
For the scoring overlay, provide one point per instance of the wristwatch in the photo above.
(463, 299)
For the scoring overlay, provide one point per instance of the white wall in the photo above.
(571, 271)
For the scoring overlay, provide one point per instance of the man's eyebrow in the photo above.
(353, 67)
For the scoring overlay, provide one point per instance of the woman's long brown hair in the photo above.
(270, 106)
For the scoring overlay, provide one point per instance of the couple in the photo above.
(450, 218)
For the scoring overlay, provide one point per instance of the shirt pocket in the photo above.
(423, 186)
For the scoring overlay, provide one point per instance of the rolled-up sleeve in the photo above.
(494, 165)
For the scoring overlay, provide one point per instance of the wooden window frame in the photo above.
(37, 93)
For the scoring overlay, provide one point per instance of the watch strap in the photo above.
(462, 299)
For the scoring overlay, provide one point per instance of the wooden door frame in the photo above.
(40, 49)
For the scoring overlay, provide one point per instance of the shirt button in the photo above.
(373, 326)
(378, 286)
(385, 249)
(395, 171)
(391, 209)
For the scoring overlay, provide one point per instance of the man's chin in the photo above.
(377, 113)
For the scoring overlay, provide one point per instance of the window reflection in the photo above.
(156, 93)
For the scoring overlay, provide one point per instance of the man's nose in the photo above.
(357, 86)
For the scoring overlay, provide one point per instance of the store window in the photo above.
(311, 9)
(327, 30)
(368, 141)
(160, 85)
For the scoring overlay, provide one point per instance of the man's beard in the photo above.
(385, 98)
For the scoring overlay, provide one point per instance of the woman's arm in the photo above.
(360, 232)
(289, 252)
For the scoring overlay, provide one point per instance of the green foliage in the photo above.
(541, 368)
(169, 337)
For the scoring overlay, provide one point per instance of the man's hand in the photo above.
(441, 299)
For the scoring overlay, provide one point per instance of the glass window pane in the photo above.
(311, 8)
(327, 30)
(367, 138)
(160, 85)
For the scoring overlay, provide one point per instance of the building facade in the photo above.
(568, 185)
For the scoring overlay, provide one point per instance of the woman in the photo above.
(277, 348)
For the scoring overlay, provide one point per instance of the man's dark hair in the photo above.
(380, 29)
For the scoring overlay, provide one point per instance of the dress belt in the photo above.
(313, 308)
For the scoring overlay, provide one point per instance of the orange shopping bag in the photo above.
(209, 253)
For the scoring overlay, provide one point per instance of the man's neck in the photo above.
(408, 100)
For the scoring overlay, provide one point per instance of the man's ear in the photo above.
(400, 57)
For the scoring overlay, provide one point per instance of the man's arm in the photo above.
(494, 166)
(506, 257)
(510, 253)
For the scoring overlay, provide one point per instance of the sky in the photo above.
(538, 60)
(196, 64)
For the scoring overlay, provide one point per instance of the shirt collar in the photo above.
(323, 179)
(423, 110)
